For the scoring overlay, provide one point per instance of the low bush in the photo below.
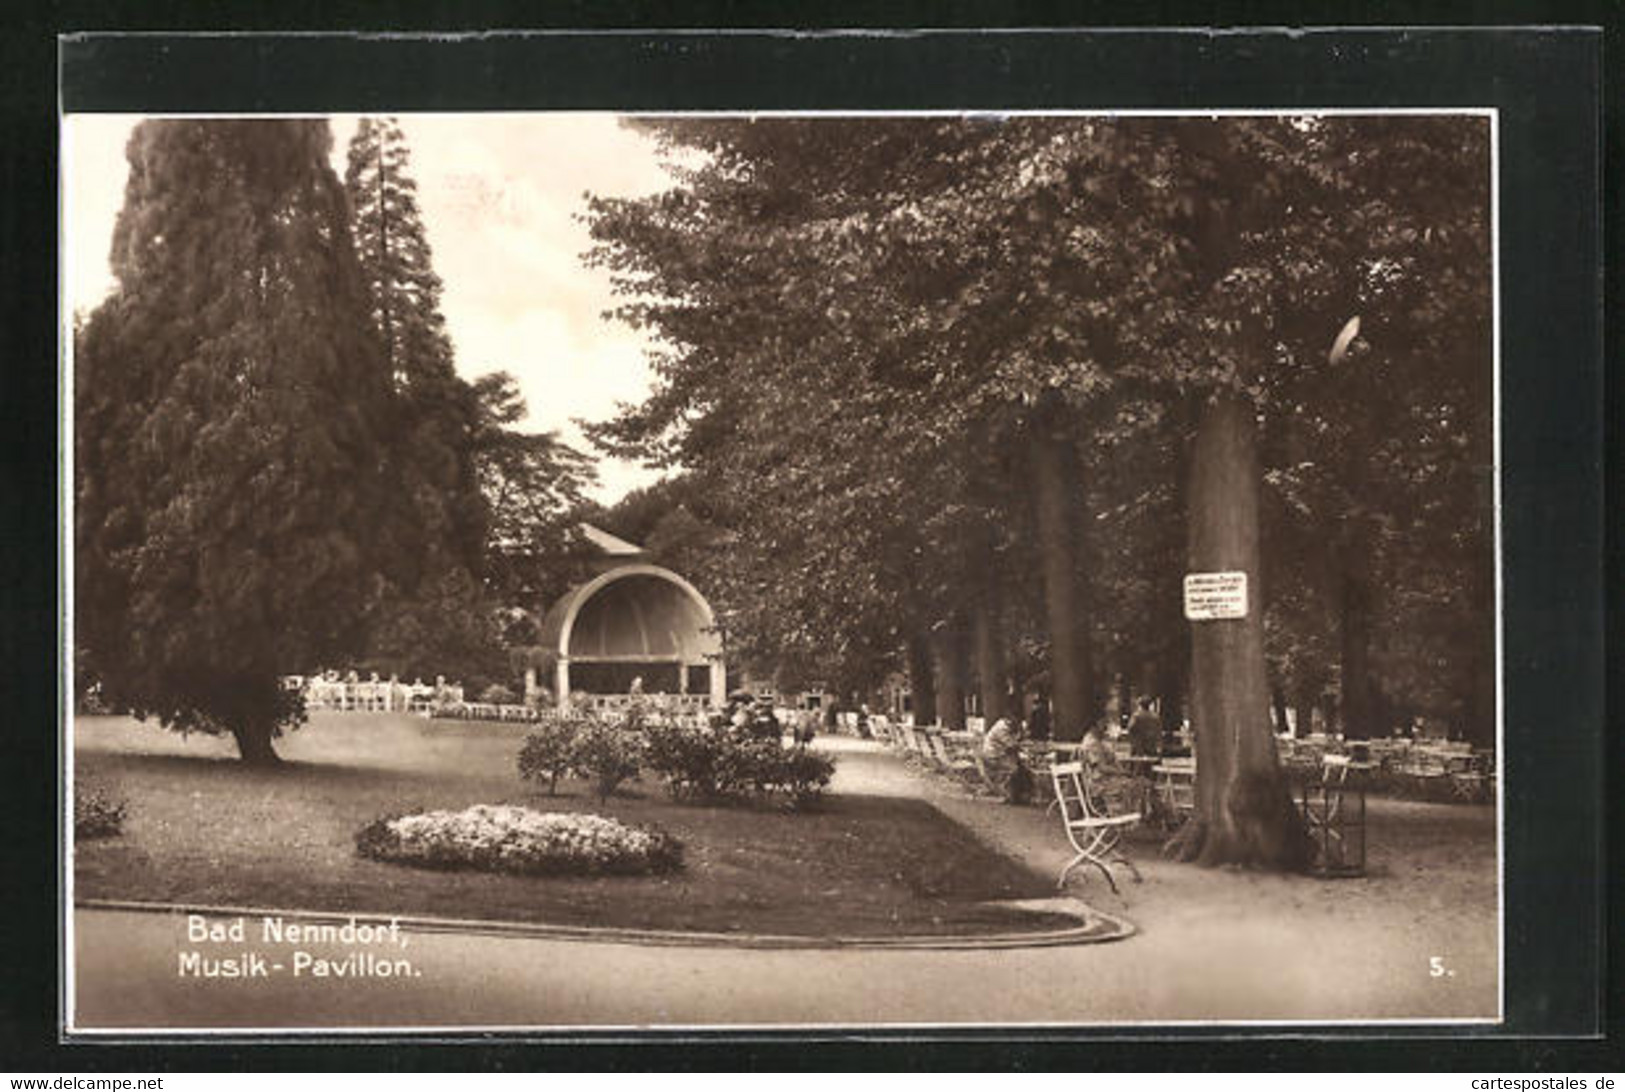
(699, 763)
(549, 750)
(607, 753)
(96, 814)
(803, 775)
(497, 694)
(695, 762)
(506, 838)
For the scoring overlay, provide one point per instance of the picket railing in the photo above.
(372, 695)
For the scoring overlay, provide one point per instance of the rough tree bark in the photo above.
(992, 677)
(1305, 704)
(1355, 593)
(921, 686)
(1125, 691)
(1244, 809)
(1172, 672)
(948, 648)
(1055, 491)
(254, 745)
(1478, 704)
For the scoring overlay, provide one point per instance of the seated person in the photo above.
(1112, 789)
(763, 724)
(1002, 759)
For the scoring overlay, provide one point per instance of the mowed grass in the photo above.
(204, 829)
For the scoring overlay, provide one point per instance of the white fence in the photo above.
(665, 703)
(446, 700)
(373, 695)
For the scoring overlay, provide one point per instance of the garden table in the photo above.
(1061, 748)
(1333, 811)
(1176, 784)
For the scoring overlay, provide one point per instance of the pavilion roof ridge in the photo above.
(608, 543)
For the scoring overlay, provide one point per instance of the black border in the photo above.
(1547, 86)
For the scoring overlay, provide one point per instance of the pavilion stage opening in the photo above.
(635, 624)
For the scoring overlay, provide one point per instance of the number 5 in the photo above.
(1436, 967)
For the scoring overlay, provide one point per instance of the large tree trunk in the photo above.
(1055, 488)
(1171, 680)
(991, 675)
(1355, 593)
(922, 691)
(1278, 700)
(1125, 693)
(1478, 706)
(254, 745)
(948, 645)
(1244, 809)
(1305, 711)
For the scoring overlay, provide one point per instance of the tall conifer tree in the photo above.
(432, 615)
(230, 409)
(438, 412)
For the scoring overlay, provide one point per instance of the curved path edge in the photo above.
(1094, 927)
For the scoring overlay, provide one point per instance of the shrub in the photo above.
(497, 694)
(96, 814)
(718, 766)
(606, 753)
(90, 703)
(550, 750)
(803, 775)
(506, 838)
(695, 762)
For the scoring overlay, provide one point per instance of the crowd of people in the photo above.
(1007, 743)
(753, 716)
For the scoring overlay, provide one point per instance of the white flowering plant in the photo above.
(97, 814)
(509, 838)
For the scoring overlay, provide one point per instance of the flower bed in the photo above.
(507, 838)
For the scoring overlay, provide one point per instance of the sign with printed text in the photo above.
(1215, 595)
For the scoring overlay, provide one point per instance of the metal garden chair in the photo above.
(1095, 835)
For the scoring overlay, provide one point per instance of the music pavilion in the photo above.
(633, 621)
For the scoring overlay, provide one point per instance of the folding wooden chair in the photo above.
(1094, 835)
(880, 727)
(922, 746)
(958, 764)
(905, 738)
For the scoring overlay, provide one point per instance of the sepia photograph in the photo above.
(875, 570)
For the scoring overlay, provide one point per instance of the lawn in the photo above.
(204, 829)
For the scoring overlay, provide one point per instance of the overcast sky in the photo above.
(499, 193)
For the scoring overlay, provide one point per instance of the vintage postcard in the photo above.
(898, 569)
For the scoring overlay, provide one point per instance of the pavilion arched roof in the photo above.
(632, 613)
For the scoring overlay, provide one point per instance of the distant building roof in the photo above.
(609, 544)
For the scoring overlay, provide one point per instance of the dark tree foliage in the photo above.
(865, 325)
(431, 615)
(534, 485)
(439, 413)
(493, 503)
(230, 408)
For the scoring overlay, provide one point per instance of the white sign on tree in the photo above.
(1210, 596)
